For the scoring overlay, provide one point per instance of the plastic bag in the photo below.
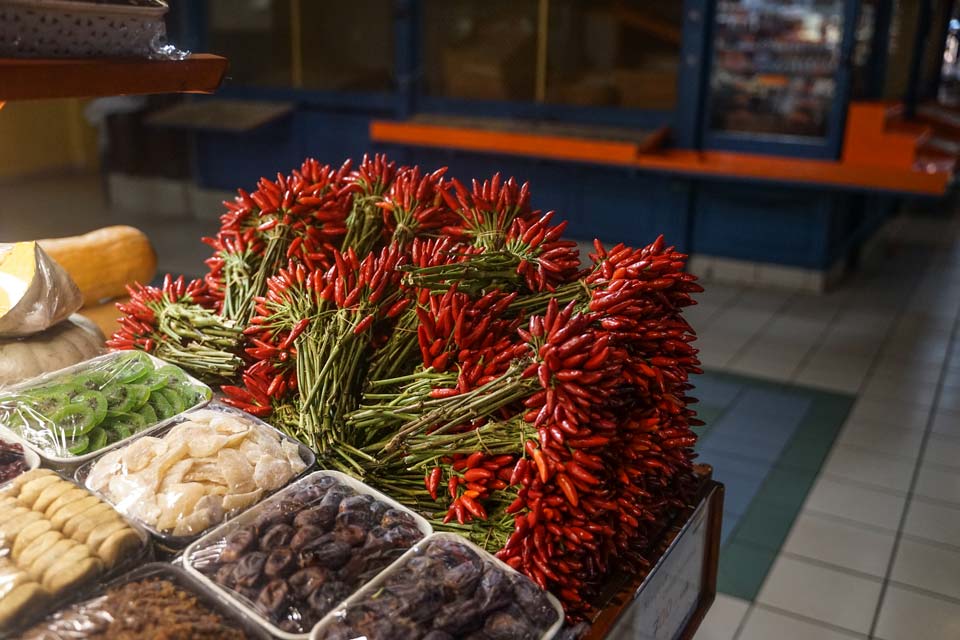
(298, 554)
(155, 600)
(35, 292)
(70, 414)
(212, 464)
(81, 29)
(55, 538)
(447, 586)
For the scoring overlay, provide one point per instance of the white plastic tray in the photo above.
(69, 463)
(171, 541)
(364, 592)
(215, 535)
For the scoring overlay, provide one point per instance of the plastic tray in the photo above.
(59, 28)
(144, 554)
(364, 593)
(31, 457)
(69, 463)
(170, 541)
(181, 578)
(216, 535)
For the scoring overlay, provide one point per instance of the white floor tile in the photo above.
(882, 438)
(835, 597)
(841, 544)
(947, 423)
(764, 624)
(939, 484)
(723, 619)
(927, 567)
(883, 387)
(942, 450)
(876, 469)
(933, 522)
(856, 503)
(892, 411)
(907, 615)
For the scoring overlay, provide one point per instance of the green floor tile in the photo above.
(786, 487)
(806, 453)
(743, 568)
(766, 523)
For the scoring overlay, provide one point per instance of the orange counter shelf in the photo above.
(628, 154)
(36, 78)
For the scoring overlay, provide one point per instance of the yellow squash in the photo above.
(105, 261)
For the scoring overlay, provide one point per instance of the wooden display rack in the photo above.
(41, 78)
(670, 600)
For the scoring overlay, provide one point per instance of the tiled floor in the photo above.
(835, 423)
(874, 549)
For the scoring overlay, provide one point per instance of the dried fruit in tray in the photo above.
(445, 589)
(54, 538)
(214, 463)
(13, 462)
(99, 402)
(300, 553)
(148, 608)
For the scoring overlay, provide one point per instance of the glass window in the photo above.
(622, 53)
(254, 35)
(480, 49)
(347, 46)
(312, 45)
(775, 66)
(863, 54)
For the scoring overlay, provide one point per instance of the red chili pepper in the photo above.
(477, 474)
(473, 507)
(473, 459)
(295, 333)
(452, 486)
(433, 481)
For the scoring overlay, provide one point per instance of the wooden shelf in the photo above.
(38, 78)
(846, 174)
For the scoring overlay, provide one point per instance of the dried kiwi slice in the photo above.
(98, 439)
(149, 414)
(161, 406)
(92, 380)
(96, 401)
(167, 376)
(130, 367)
(124, 398)
(76, 446)
(175, 399)
(74, 420)
(125, 424)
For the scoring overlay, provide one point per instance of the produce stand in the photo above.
(667, 601)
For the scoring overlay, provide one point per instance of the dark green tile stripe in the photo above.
(752, 547)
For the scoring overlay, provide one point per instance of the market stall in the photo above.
(395, 406)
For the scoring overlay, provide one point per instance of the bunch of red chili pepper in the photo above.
(447, 345)
(174, 322)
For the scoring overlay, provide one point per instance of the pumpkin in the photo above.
(74, 340)
(105, 261)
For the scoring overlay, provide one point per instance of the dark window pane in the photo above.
(480, 49)
(255, 36)
(347, 46)
(313, 45)
(775, 65)
(614, 53)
